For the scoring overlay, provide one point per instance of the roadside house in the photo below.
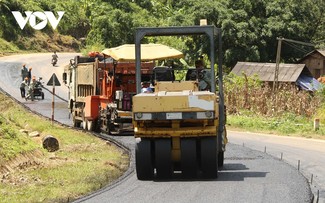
(315, 61)
(297, 74)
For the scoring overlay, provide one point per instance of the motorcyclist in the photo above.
(54, 58)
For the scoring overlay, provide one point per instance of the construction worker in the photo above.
(30, 93)
(24, 72)
(23, 86)
(201, 74)
(29, 74)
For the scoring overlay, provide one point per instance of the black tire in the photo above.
(97, 124)
(143, 160)
(209, 163)
(76, 123)
(189, 164)
(111, 128)
(163, 158)
(221, 158)
(42, 94)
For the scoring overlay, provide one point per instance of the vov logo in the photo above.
(41, 16)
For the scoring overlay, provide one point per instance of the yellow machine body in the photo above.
(175, 110)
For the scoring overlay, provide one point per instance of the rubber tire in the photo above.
(209, 163)
(97, 124)
(42, 94)
(163, 158)
(189, 164)
(143, 160)
(221, 158)
(76, 123)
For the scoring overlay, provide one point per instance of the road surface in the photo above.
(247, 176)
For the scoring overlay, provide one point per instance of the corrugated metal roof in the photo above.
(321, 52)
(265, 71)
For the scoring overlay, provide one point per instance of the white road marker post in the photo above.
(316, 124)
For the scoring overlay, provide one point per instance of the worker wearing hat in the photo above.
(29, 74)
(31, 89)
(23, 86)
(24, 72)
(33, 83)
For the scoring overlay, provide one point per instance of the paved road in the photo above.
(310, 153)
(247, 176)
(10, 80)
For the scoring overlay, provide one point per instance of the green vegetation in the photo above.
(250, 94)
(252, 106)
(7, 47)
(288, 125)
(249, 32)
(249, 28)
(83, 163)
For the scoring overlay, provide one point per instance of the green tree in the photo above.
(115, 26)
(249, 27)
(318, 34)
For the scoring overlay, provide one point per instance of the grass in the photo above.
(252, 105)
(7, 47)
(40, 42)
(288, 124)
(83, 163)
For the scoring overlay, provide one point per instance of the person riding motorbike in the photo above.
(54, 58)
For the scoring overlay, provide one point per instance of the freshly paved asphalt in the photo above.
(247, 176)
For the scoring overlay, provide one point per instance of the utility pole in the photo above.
(278, 58)
(277, 64)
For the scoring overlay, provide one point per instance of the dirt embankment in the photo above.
(40, 42)
(21, 162)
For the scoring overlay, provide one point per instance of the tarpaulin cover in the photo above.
(308, 83)
(149, 52)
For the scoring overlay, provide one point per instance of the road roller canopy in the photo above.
(149, 52)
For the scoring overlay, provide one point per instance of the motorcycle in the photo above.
(54, 59)
(35, 91)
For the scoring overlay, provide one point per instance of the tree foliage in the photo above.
(249, 27)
